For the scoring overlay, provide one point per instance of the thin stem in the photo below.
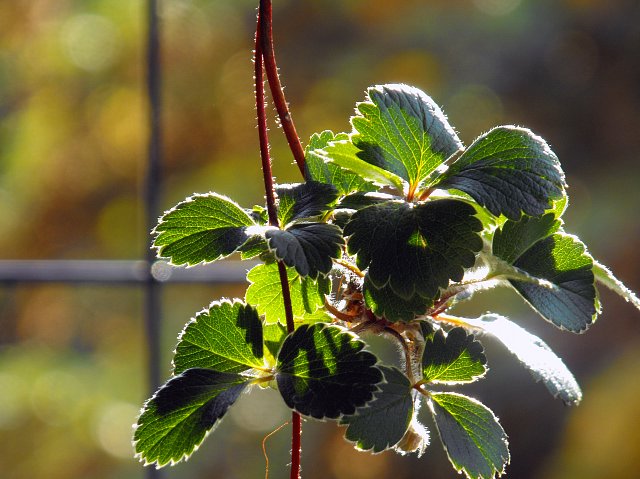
(296, 420)
(275, 86)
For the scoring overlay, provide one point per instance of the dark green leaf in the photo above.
(386, 304)
(265, 293)
(203, 228)
(227, 337)
(516, 237)
(308, 247)
(182, 412)
(383, 422)
(400, 129)
(255, 246)
(534, 354)
(310, 200)
(508, 170)
(567, 297)
(323, 372)
(415, 248)
(471, 434)
(326, 172)
(453, 359)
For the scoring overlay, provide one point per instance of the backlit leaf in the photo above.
(310, 200)
(323, 371)
(307, 295)
(383, 422)
(307, 247)
(414, 248)
(203, 228)
(471, 434)
(182, 412)
(453, 359)
(508, 170)
(386, 304)
(226, 337)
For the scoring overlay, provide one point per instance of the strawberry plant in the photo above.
(394, 224)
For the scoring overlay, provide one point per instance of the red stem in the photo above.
(275, 86)
(267, 174)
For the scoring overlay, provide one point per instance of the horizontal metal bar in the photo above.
(119, 272)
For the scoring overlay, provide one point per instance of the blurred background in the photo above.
(73, 140)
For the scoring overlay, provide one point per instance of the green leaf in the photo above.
(265, 293)
(605, 276)
(308, 247)
(274, 335)
(203, 228)
(456, 358)
(347, 156)
(323, 371)
(471, 434)
(566, 295)
(383, 422)
(388, 305)
(508, 170)
(534, 354)
(310, 200)
(401, 130)
(414, 248)
(182, 412)
(316, 168)
(227, 337)
(516, 237)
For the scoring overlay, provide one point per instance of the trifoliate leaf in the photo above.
(567, 295)
(515, 237)
(310, 200)
(346, 155)
(307, 247)
(508, 170)
(400, 129)
(316, 168)
(534, 354)
(414, 248)
(323, 371)
(383, 422)
(203, 228)
(605, 276)
(226, 337)
(265, 293)
(453, 359)
(471, 434)
(182, 412)
(386, 304)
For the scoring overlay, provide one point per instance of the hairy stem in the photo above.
(275, 86)
(264, 27)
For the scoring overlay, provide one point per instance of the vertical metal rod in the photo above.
(152, 294)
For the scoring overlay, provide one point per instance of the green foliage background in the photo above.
(72, 154)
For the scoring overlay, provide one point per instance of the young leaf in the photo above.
(414, 248)
(203, 228)
(383, 422)
(567, 297)
(453, 359)
(308, 200)
(317, 169)
(308, 247)
(346, 155)
(534, 354)
(323, 372)
(265, 293)
(227, 337)
(471, 434)
(508, 170)
(181, 413)
(605, 276)
(388, 305)
(400, 129)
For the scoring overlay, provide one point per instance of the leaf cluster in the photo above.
(396, 222)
